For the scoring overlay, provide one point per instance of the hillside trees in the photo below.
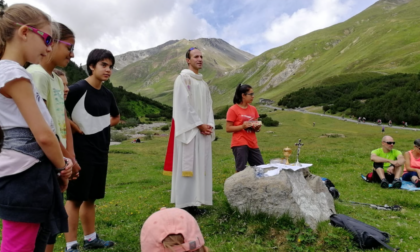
(3, 5)
(74, 73)
(394, 97)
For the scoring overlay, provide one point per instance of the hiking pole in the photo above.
(377, 207)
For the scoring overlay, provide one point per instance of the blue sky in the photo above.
(254, 26)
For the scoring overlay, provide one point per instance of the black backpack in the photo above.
(331, 188)
(366, 236)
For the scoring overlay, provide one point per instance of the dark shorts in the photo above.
(90, 185)
(379, 165)
(408, 175)
(34, 196)
(243, 154)
(376, 179)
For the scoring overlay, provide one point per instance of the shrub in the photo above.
(131, 122)
(149, 136)
(118, 137)
(153, 115)
(164, 128)
(263, 115)
(269, 122)
(222, 113)
(219, 126)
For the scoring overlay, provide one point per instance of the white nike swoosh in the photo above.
(87, 123)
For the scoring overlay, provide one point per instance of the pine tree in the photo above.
(3, 5)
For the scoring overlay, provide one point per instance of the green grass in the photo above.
(136, 188)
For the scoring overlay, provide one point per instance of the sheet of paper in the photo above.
(280, 167)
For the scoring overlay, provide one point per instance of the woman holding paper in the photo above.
(242, 121)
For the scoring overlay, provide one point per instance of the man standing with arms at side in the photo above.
(193, 124)
(387, 157)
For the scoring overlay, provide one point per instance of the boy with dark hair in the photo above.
(97, 55)
(93, 110)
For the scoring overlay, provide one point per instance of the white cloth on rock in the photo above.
(192, 162)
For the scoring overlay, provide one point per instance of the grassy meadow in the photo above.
(136, 188)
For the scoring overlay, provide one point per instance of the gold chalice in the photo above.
(287, 152)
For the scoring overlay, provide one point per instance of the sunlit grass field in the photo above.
(136, 188)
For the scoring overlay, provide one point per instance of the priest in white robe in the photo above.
(192, 183)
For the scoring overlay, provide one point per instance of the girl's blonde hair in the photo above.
(23, 14)
(178, 239)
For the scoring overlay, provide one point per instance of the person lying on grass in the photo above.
(412, 164)
(391, 160)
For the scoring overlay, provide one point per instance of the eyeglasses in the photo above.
(393, 143)
(251, 94)
(71, 48)
(192, 48)
(45, 36)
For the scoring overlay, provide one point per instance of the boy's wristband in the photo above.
(65, 165)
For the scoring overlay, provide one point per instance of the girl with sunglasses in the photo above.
(51, 89)
(241, 120)
(30, 193)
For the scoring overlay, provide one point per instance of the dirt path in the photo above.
(140, 127)
(301, 110)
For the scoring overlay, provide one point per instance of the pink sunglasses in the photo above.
(71, 48)
(45, 36)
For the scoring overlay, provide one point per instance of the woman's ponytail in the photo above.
(241, 89)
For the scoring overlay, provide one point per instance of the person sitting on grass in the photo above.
(392, 160)
(171, 229)
(412, 164)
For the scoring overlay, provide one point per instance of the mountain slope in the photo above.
(383, 39)
(128, 58)
(154, 75)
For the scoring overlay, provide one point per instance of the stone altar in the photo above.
(297, 193)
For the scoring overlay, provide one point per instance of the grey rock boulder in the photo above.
(299, 194)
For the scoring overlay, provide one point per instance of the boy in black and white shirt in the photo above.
(93, 110)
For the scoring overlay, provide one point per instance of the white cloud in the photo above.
(255, 26)
(122, 26)
(321, 14)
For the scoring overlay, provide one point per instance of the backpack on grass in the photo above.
(331, 188)
(369, 177)
(366, 236)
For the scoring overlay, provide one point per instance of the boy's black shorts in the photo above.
(90, 185)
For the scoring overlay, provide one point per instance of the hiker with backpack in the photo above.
(387, 164)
